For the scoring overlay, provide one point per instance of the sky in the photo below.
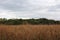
(30, 9)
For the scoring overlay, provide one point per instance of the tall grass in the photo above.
(29, 32)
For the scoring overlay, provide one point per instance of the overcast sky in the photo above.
(30, 9)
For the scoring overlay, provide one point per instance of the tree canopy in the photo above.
(28, 21)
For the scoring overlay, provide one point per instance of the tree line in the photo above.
(28, 21)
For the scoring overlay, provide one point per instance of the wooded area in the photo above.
(28, 21)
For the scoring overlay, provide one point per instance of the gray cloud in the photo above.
(30, 8)
(55, 8)
(24, 5)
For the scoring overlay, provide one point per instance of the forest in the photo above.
(28, 21)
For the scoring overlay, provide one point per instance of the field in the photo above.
(29, 32)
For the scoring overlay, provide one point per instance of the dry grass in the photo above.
(29, 32)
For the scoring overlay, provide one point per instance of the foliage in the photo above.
(27, 21)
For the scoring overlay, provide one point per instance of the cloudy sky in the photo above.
(30, 9)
